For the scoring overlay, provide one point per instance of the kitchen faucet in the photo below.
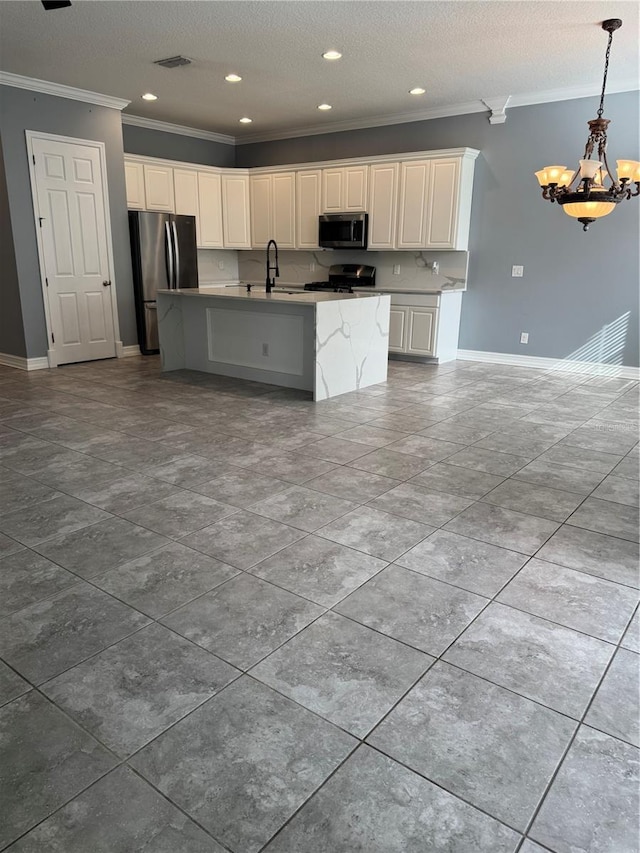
(271, 282)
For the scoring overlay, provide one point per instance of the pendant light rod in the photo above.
(609, 26)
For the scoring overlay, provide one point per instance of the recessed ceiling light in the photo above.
(233, 78)
(417, 91)
(324, 106)
(331, 54)
(246, 120)
(149, 97)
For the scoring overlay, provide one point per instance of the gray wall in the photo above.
(173, 146)
(22, 110)
(11, 331)
(574, 283)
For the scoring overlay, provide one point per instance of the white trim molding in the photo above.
(128, 351)
(497, 107)
(592, 368)
(61, 91)
(180, 129)
(21, 363)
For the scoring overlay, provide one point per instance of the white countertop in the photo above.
(259, 294)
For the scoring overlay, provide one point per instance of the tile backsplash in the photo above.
(209, 261)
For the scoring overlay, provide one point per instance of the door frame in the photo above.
(101, 148)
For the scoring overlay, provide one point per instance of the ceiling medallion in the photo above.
(583, 194)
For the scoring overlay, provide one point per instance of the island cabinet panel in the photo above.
(308, 192)
(345, 189)
(272, 210)
(158, 186)
(209, 222)
(235, 211)
(382, 208)
(134, 178)
(185, 191)
(412, 213)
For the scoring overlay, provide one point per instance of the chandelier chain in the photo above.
(604, 79)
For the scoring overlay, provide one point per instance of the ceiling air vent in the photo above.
(173, 62)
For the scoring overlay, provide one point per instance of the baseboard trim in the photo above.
(24, 363)
(592, 368)
(129, 352)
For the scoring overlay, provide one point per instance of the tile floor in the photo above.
(401, 621)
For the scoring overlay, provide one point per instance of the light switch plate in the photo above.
(517, 271)
(524, 337)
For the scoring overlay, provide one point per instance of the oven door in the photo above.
(343, 231)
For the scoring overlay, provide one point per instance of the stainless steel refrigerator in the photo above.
(164, 257)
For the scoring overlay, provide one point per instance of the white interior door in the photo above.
(70, 200)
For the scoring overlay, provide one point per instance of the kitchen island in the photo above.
(326, 343)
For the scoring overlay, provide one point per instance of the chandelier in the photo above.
(591, 192)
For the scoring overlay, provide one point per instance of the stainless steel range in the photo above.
(344, 277)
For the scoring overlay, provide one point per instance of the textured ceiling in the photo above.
(460, 52)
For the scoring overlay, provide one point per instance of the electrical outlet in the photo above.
(265, 349)
(524, 337)
(435, 268)
(517, 271)
(220, 265)
(396, 269)
(312, 266)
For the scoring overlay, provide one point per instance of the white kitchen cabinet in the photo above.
(382, 208)
(236, 226)
(425, 325)
(421, 331)
(444, 191)
(398, 329)
(185, 192)
(158, 187)
(308, 208)
(345, 189)
(209, 222)
(273, 209)
(412, 212)
(134, 179)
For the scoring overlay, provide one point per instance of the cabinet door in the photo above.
(134, 178)
(261, 226)
(398, 329)
(209, 222)
(383, 206)
(332, 190)
(283, 198)
(355, 184)
(412, 216)
(308, 187)
(421, 337)
(235, 211)
(158, 187)
(185, 189)
(442, 213)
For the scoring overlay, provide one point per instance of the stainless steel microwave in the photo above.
(343, 230)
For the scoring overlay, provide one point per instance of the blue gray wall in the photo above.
(574, 284)
(174, 146)
(22, 110)
(11, 330)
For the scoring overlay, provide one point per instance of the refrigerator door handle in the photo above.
(177, 253)
(169, 257)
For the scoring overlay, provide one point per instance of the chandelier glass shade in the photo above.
(590, 192)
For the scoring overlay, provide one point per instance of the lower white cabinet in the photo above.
(425, 325)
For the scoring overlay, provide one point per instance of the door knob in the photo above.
(106, 284)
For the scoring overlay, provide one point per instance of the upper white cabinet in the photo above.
(158, 186)
(235, 210)
(185, 191)
(344, 189)
(308, 208)
(273, 209)
(209, 222)
(134, 179)
(382, 208)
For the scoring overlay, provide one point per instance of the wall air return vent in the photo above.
(173, 62)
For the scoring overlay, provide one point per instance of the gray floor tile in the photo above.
(593, 802)
(320, 570)
(620, 490)
(243, 620)
(336, 449)
(578, 457)
(376, 533)
(47, 638)
(468, 563)
(533, 657)
(100, 547)
(9, 546)
(555, 476)
(26, 577)
(45, 760)
(119, 814)
(241, 488)
(413, 501)
(616, 707)
(628, 468)
(373, 804)
(18, 492)
(343, 671)
(244, 762)
(493, 748)
(631, 639)
(488, 461)
(11, 685)
(389, 463)
(243, 539)
(531, 847)
(458, 433)
(594, 553)
(534, 500)
(430, 449)
(180, 514)
(42, 521)
(131, 692)
(293, 467)
(573, 599)
(124, 493)
(351, 484)
(455, 480)
(164, 579)
(613, 519)
(188, 470)
(412, 608)
(84, 471)
(598, 436)
(303, 508)
(503, 527)
(372, 436)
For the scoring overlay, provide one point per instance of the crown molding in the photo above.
(181, 130)
(61, 91)
(571, 93)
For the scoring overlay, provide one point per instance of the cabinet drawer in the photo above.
(420, 300)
